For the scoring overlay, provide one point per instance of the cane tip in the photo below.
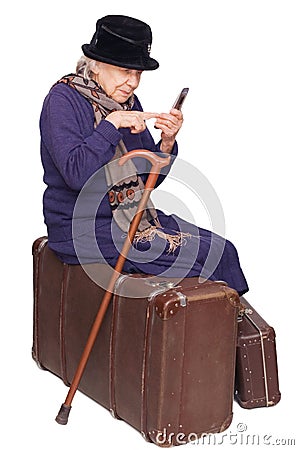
(63, 415)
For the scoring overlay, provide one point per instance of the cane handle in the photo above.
(157, 161)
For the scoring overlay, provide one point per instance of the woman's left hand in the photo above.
(170, 125)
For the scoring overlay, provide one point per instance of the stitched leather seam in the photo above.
(63, 299)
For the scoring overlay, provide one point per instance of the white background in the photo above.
(240, 61)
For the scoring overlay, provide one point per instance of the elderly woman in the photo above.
(92, 117)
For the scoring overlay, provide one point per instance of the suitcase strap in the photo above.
(157, 288)
(248, 312)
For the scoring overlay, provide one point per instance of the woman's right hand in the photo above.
(135, 120)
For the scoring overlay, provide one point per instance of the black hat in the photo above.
(122, 41)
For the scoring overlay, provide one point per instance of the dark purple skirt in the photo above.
(204, 253)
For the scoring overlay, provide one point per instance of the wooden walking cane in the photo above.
(157, 163)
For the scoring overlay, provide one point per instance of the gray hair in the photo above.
(85, 67)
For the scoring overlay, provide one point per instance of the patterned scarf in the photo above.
(125, 186)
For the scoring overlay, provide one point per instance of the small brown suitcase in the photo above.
(256, 382)
(164, 362)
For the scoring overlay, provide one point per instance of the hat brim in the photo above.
(149, 64)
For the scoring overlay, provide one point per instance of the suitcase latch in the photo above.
(161, 284)
(244, 312)
(182, 299)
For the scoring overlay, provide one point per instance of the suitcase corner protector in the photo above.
(232, 296)
(166, 308)
(226, 423)
(36, 360)
(39, 244)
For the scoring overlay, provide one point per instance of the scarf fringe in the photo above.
(174, 240)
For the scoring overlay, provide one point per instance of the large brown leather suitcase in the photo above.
(256, 382)
(163, 361)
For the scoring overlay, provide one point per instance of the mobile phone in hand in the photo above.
(180, 99)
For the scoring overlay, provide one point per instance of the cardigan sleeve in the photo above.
(76, 152)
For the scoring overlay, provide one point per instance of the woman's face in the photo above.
(118, 83)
